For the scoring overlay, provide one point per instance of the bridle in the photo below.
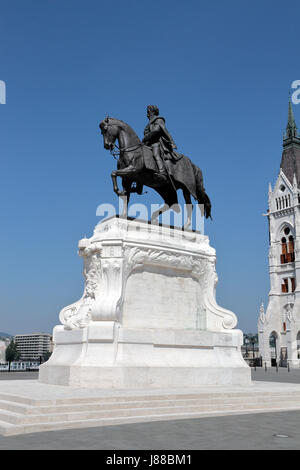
(124, 150)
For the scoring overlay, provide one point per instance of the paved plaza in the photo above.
(271, 375)
(255, 431)
(20, 375)
(272, 431)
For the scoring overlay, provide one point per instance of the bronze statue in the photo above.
(160, 139)
(154, 163)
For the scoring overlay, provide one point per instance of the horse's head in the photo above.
(110, 132)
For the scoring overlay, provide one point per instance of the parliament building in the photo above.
(279, 326)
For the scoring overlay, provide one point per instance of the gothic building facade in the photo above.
(279, 326)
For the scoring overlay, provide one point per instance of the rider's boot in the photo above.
(158, 159)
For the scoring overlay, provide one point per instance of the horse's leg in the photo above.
(125, 196)
(189, 206)
(115, 182)
(130, 173)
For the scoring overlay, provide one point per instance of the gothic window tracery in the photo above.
(285, 286)
(283, 256)
(293, 284)
(287, 247)
(291, 250)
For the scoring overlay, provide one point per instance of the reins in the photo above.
(124, 150)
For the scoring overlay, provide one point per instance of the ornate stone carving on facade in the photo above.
(289, 313)
(78, 314)
(262, 316)
(297, 247)
(272, 253)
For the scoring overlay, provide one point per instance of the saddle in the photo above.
(143, 158)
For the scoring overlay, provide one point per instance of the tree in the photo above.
(11, 353)
(249, 338)
(252, 339)
(46, 356)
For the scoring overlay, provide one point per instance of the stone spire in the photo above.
(290, 161)
(291, 135)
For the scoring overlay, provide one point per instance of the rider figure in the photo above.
(157, 136)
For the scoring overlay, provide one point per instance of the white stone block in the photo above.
(101, 332)
(62, 335)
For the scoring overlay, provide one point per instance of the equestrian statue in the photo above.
(155, 163)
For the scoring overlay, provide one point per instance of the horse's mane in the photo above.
(118, 120)
(122, 124)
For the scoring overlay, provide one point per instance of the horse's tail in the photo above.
(202, 197)
(207, 205)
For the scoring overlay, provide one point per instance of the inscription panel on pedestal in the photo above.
(160, 298)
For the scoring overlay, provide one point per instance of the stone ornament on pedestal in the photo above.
(148, 315)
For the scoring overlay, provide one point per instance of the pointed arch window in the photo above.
(285, 286)
(293, 284)
(291, 250)
(284, 251)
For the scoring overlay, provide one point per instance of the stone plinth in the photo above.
(148, 315)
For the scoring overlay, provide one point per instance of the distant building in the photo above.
(279, 326)
(34, 345)
(3, 346)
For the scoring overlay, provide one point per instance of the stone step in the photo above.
(16, 399)
(147, 397)
(17, 407)
(24, 419)
(53, 408)
(8, 429)
(69, 408)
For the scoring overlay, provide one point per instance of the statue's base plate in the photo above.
(105, 355)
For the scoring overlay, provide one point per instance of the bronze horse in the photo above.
(137, 168)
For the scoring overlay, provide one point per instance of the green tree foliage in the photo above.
(11, 352)
(250, 338)
(46, 356)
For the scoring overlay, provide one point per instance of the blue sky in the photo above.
(220, 73)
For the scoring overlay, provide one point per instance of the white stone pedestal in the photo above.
(148, 315)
